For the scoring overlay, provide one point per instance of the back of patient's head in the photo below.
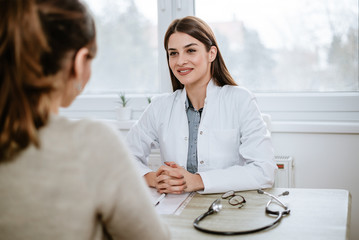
(36, 38)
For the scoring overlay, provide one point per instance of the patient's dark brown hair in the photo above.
(35, 38)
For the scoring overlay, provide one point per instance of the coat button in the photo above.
(201, 162)
(201, 132)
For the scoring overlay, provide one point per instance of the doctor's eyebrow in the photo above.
(186, 46)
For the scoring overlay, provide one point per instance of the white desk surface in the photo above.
(315, 214)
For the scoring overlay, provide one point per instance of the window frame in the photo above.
(336, 112)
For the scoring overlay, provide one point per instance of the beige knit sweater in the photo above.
(80, 184)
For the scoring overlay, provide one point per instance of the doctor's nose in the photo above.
(182, 59)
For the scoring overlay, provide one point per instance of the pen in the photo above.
(163, 195)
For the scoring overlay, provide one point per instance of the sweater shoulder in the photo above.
(83, 130)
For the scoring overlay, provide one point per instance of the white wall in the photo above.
(324, 160)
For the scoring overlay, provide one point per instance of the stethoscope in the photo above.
(216, 207)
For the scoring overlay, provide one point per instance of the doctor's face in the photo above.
(189, 60)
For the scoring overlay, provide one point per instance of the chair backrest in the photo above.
(267, 119)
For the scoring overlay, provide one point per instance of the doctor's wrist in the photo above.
(195, 183)
(150, 179)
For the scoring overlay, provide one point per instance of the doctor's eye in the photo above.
(172, 54)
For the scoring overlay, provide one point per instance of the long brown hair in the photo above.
(35, 37)
(198, 29)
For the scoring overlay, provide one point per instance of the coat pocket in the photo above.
(224, 148)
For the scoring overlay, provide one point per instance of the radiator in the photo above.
(284, 177)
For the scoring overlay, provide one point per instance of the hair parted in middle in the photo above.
(198, 29)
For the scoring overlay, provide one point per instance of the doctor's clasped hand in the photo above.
(171, 178)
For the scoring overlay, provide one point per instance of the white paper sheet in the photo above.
(172, 203)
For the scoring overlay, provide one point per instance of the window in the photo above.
(299, 57)
(287, 46)
(127, 59)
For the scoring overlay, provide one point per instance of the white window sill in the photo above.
(306, 112)
(291, 127)
(315, 127)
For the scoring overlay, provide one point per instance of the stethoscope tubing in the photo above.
(276, 221)
(272, 224)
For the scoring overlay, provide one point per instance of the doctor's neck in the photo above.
(197, 94)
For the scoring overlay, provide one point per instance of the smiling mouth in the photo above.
(184, 72)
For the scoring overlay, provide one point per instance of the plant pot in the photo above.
(123, 113)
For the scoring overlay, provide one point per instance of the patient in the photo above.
(60, 179)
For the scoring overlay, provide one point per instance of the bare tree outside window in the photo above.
(287, 46)
(127, 59)
(268, 45)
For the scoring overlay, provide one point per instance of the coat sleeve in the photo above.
(143, 136)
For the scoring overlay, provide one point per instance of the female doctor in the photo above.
(210, 132)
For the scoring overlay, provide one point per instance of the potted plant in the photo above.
(123, 111)
(149, 99)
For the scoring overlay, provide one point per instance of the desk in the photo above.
(315, 214)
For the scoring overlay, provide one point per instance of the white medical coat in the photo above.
(234, 147)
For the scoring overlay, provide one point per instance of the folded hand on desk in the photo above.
(172, 178)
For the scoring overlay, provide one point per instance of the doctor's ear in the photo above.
(212, 53)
